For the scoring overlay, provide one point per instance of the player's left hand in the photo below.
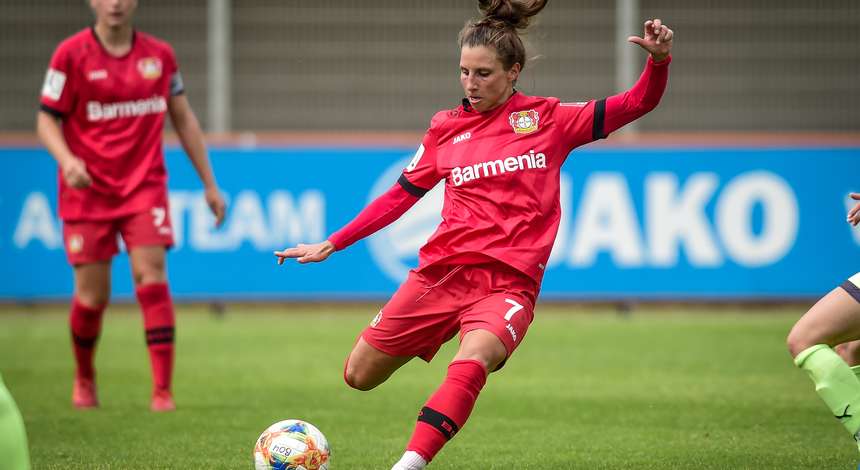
(853, 217)
(657, 39)
(216, 204)
(307, 253)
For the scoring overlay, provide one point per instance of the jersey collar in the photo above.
(467, 107)
(104, 49)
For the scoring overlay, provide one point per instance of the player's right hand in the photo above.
(853, 217)
(307, 253)
(75, 173)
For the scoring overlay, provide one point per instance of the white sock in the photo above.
(411, 460)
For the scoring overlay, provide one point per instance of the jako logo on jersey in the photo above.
(462, 137)
(149, 68)
(104, 111)
(460, 175)
(524, 122)
(94, 75)
(376, 319)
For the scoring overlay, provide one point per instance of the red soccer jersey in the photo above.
(501, 171)
(112, 110)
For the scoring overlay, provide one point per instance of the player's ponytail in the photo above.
(498, 28)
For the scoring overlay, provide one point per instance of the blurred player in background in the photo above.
(14, 453)
(103, 103)
(834, 320)
(500, 153)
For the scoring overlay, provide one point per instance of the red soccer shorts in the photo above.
(440, 300)
(91, 241)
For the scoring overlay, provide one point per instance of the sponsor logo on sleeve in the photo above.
(417, 158)
(54, 83)
(524, 122)
(149, 67)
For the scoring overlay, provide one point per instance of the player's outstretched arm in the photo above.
(307, 253)
(191, 136)
(853, 217)
(377, 215)
(626, 107)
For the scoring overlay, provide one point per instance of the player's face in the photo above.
(113, 13)
(485, 81)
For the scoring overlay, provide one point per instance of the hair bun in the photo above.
(513, 12)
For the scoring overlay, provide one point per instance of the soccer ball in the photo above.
(292, 445)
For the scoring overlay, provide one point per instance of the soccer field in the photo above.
(658, 389)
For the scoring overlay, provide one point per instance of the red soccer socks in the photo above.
(448, 409)
(159, 324)
(85, 324)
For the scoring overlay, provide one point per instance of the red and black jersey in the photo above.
(112, 111)
(501, 170)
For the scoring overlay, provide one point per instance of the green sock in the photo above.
(13, 439)
(856, 370)
(835, 383)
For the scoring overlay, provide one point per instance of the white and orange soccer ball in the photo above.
(292, 444)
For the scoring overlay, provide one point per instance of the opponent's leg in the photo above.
(153, 294)
(832, 320)
(367, 367)
(14, 453)
(449, 407)
(92, 292)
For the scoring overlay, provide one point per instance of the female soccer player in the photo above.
(500, 154)
(833, 320)
(103, 103)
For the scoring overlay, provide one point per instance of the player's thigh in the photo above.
(834, 319)
(147, 235)
(366, 367)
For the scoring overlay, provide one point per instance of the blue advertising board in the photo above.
(638, 223)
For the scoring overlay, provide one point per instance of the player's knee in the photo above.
(799, 340)
(149, 273)
(358, 378)
(93, 298)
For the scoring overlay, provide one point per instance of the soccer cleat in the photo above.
(411, 460)
(84, 393)
(162, 400)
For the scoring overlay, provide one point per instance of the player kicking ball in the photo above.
(500, 154)
(103, 103)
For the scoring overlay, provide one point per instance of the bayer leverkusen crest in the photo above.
(524, 122)
(149, 68)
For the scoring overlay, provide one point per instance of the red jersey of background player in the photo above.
(501, 171)
(112, 109)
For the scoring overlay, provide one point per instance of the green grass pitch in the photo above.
(666, 388)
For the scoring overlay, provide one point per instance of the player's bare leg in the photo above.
(833, 320)
(150, 280)
(92, 292)
(367, 367)
(450, 406)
